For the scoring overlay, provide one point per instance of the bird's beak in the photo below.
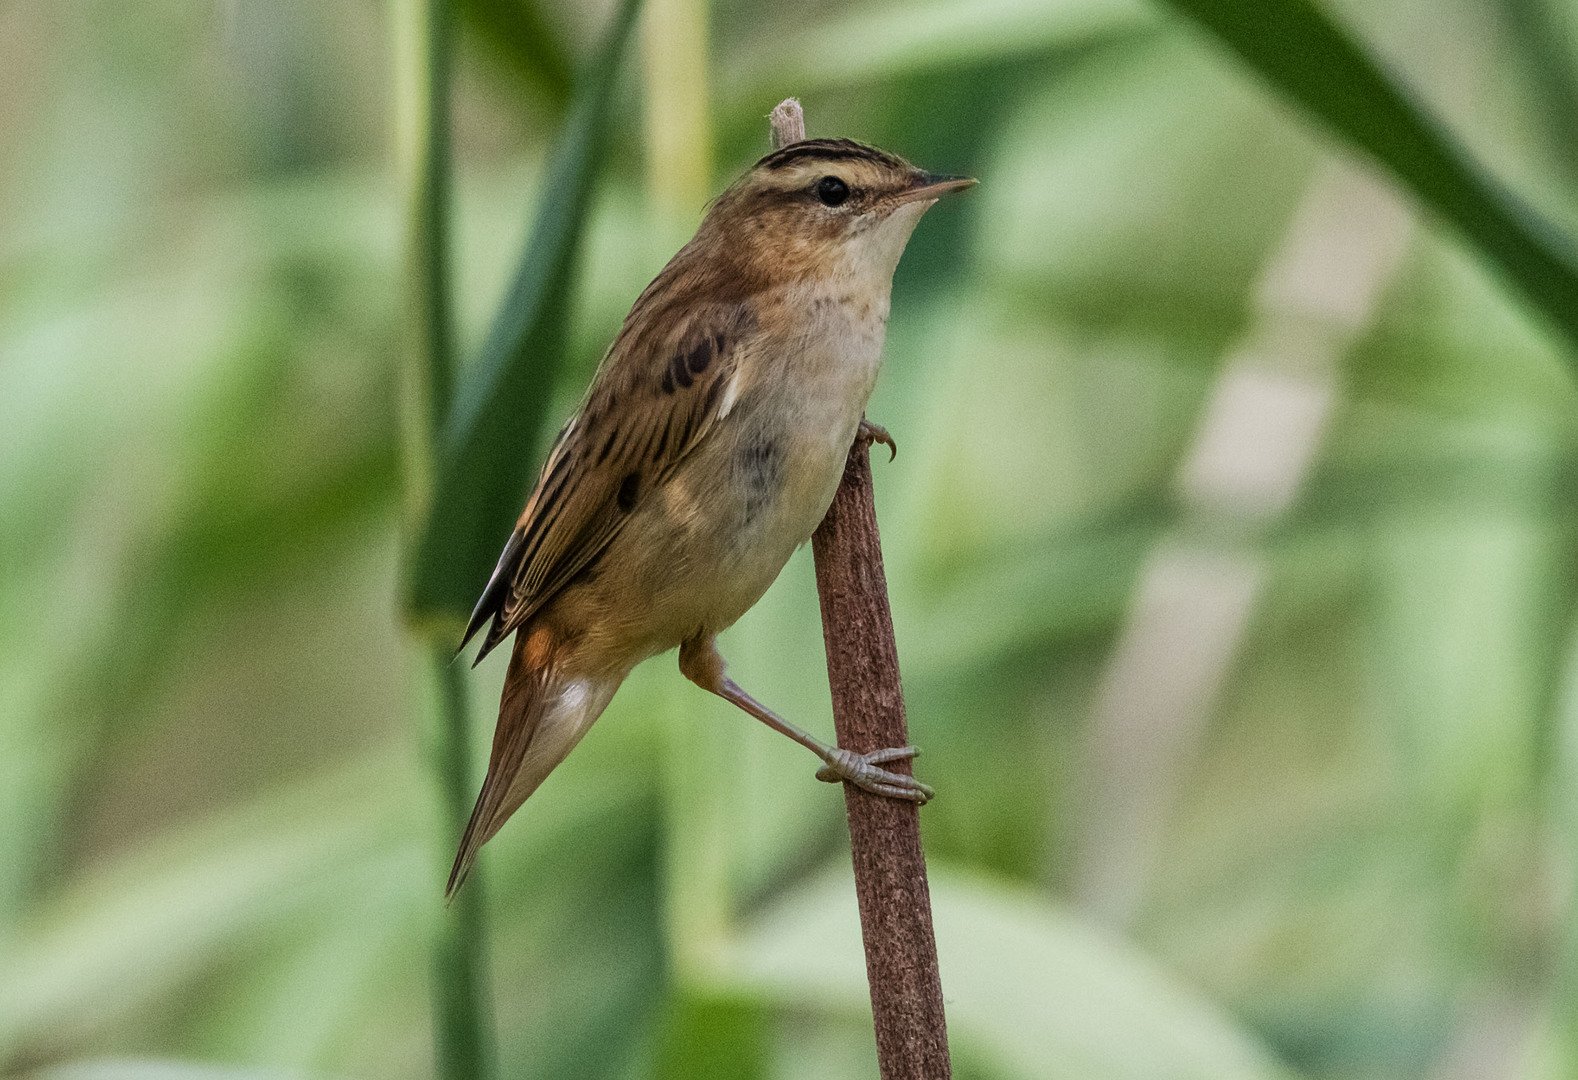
(931, 186)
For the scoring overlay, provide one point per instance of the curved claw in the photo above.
(866, 773)
(875, 433)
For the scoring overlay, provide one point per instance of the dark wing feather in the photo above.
(666, 381)
(492, 598)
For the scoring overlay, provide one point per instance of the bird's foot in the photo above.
(869, 433)
(865, 771)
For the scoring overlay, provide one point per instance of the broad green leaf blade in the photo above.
(715, 1035)
(1032, 991)
(122, 938)
(484, 457)
(1301, 51)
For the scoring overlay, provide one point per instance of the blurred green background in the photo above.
(1231, 546)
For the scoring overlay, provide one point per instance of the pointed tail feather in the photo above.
(527, 694)
(542, 715)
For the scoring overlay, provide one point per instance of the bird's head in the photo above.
(824, 207)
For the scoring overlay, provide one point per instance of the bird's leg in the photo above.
(701, 663)
(875, 433)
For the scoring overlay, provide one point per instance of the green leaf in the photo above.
(1031, 990)
(717, 1036)
(134, 932)
(484, 469)
(1301, 51)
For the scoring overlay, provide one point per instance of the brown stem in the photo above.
(868, 713)
(884, 834)
(788, 123)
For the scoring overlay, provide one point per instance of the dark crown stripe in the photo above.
(826, 150)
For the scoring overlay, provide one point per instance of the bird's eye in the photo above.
(831, 190)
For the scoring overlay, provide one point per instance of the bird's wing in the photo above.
(664, 385)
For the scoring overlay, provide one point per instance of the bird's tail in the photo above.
(542, 715)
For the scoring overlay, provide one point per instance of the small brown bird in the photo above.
(707, 449)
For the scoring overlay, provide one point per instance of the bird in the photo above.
(707, 448)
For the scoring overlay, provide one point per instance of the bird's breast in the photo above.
(723, 526)
(815, 386)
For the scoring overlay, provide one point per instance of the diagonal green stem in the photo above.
(1312, 59)
(463, 1040)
